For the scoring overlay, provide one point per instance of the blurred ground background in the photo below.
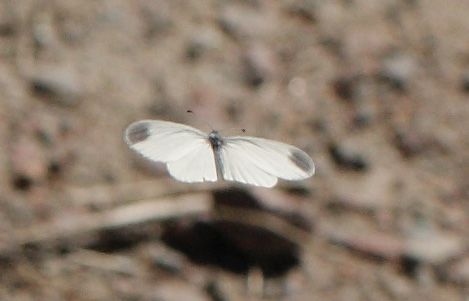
(375, 91)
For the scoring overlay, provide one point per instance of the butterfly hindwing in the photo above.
(235, 167)
(196, 166)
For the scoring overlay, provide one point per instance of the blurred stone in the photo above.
(259, 65)
(416, 140)
(202, 42)
(363, 117)
(465, 82)
(397, 70)
(345, 87)
(396, 286)
(242, 22)
(28, 164)
(43, 30)
(214, 291)
(333, 44)
(346, 157)
(58, 84)
(195, 49)
(297, 86)
(409, 143)
(177, 290)
(306, 10)
(375, 245)
(7, 20)
(459, 271)
(157, 17)
(168, 260)
(433, 247)
(365, 194)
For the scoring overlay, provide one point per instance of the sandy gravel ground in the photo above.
(375, 91)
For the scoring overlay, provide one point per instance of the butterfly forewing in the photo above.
(274, 158)
(184, 149)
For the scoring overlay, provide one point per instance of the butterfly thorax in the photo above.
(216, 141)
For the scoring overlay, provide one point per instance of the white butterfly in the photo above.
(192, 156)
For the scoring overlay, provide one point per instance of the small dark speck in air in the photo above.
(243, 130)
(190, 111)
(138, 132)
(301, 160)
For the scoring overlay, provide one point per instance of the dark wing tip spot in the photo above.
(138, 132)
(302, 160)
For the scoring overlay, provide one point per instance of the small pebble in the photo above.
(259, 65)
(367, 194)
(157, 17)
(58, 84)
(459, 271)
(373, 245)
(434, 247)
(465, 82)
(397, 70)
(306, 10)
(297, 86)
(409, 143)
(176, 290)
(363, 118)
(202, 42)
(7, 23)
(194, 50)
(28, 164)
(397, 286)
(344, 87)
(241, 22)
(347, 158)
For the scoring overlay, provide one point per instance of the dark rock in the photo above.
(58, 84)
(465, 83)
(362, 118)
(347, 158)
(306, 10)
(22, 182)
(28, 164)
(201, 43)
(344, 87)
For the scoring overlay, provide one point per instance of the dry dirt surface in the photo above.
(375, 91)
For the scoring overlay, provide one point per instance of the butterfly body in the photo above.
(216, 141)
(193, 156)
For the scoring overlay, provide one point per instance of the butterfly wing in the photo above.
(260, 161)
(185, 150)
